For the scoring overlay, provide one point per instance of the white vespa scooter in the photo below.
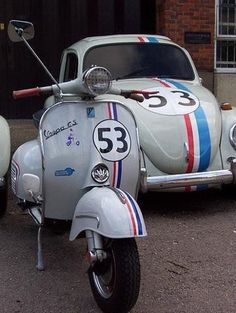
(84, 167)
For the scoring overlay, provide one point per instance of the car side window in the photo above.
(71, 67)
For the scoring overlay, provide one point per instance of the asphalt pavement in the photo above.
(187, 259)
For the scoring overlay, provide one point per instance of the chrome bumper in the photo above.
(156, 183)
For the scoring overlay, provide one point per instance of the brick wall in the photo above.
(175, 17)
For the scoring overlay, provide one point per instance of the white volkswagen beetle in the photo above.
(188, 140)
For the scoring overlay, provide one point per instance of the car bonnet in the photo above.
(179, 124)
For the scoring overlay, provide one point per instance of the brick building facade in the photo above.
(214, 54)
(176, 18)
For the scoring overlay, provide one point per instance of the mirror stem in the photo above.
(42, 64)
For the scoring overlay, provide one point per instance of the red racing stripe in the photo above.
(141, 39)
(131, 216)
(114, 175)
(190, 143)
(162, 82)
(109, 111)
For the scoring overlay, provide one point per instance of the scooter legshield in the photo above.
(112, 213)
(76, 137)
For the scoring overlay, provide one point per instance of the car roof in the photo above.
(88, 42)
(82, 46)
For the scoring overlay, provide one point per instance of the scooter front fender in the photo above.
(110, 212)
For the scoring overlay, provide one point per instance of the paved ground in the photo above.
(188, 259)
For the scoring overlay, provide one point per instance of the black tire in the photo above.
(115, 282)
(3, 199)
(229, 191)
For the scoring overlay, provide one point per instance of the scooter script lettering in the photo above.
(50, 133)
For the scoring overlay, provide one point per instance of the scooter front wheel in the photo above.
(115, 282)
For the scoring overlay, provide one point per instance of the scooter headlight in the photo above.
(100, 173)
(97, 80)
(232, 136)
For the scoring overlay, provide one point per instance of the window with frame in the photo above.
(225, 59)
(135, 60)
(71, 67)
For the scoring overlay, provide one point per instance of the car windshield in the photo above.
(134, 60)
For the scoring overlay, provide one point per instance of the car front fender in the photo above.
(227, 150)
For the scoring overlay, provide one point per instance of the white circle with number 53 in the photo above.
(170, 101)
(112, 140)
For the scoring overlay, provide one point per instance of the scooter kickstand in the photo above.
(40, 263)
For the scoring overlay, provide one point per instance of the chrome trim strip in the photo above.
(186, 147)
(183, 180)
(231, 139)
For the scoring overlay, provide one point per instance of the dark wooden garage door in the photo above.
(58, 24)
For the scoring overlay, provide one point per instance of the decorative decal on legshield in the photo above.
(50, 133)
(66, 172)
(72, 139)
(90, 112)
(100, 173)
(112, 140)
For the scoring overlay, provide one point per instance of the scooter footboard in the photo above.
(110, 212)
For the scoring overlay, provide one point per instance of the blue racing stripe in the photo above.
(203, 132)
(204, 139)
(140, 228)
(152, 39)
(119, 174)
(177, 84)
(114, 111)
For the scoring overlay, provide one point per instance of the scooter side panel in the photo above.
(27, 159)
(77, 136)
(115, 215)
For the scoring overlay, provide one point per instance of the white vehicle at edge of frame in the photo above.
(5, 148)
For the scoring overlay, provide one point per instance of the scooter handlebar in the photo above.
(135, 96)
(26, 93)
(131, 94)
(37, 91)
